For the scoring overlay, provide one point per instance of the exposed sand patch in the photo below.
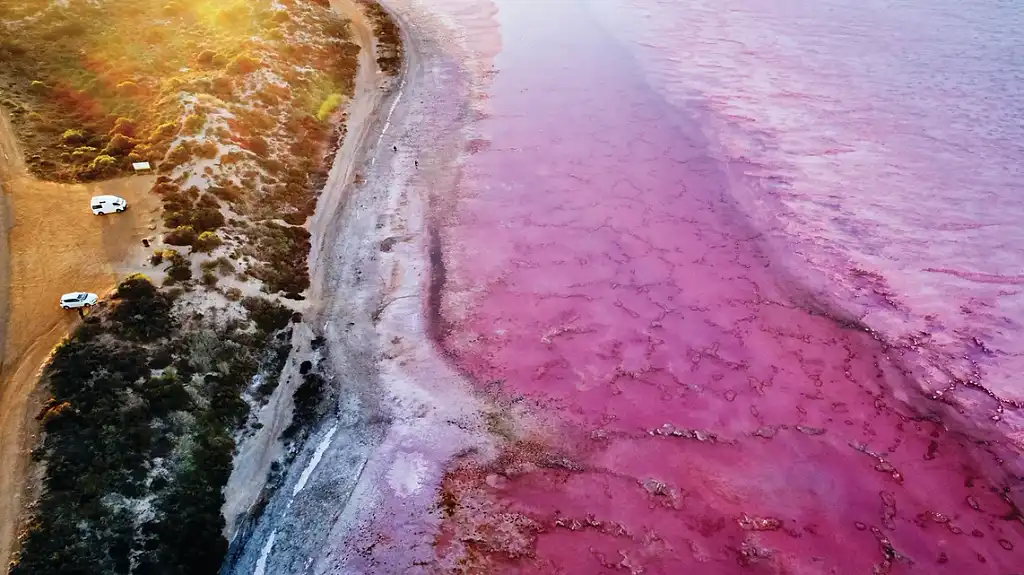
(53, 245)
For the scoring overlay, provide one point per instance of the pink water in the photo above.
(758, 267)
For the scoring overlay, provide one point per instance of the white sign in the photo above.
(140, 166)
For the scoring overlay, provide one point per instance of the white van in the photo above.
(102, 205)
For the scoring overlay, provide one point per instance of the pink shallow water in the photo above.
(688, 236)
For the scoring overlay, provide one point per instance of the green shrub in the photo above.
(120, 145)
(207, 242)
(268, 315)
(207, 219)
(103, 166)
(163, 133)
(180, 273)
(135, 287)
(223, 87)
(194, 123)
(178, 156)
(208, 201)
(307, 400)
(142, 312)
(258, 146)
(174, 257)
(328, 106)
(72, 137)
(84, 154)
(181, 236)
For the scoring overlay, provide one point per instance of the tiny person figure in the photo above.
(395, 148)
(417, 162)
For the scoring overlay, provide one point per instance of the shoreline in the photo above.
(374, 466)
(247, 486)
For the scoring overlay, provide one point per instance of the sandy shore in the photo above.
(257, 452)
(53, 244)
(368, 474)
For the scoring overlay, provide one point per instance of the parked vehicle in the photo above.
(102, 205)
(77, 299)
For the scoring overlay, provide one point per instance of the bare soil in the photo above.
(52, 244)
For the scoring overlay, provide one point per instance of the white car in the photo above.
(77, 299)
(102, 205)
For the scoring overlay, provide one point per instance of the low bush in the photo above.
(328, 106)
(222, 265)
(163, 133)
(179, 273)
(269, 315)
(207, 242)
(102, 166)
(123, 127)
(72, 137)
(181, 236)
(207, 219)
(282, 252)
(120, 145)
(308, 399)
(206, 150)
(242, 64)
(128, 88)
(193, 124)
(206, 57)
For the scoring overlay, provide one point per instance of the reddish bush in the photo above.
(242, 64)
(258, 146)
(120, 145)
(124, 127)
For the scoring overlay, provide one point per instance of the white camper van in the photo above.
(102, 205)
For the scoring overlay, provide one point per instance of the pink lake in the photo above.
(757, 267)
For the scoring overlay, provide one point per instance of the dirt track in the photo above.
(53, 244)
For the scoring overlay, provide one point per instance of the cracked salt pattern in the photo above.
(685, 253)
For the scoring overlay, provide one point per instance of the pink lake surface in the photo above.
(757, 268)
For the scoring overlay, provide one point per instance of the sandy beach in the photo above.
(52, 245)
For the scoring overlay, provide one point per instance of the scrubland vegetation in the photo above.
(389, 38)
(237, 104)
(138, 434)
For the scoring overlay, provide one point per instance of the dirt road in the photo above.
(53, 245)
